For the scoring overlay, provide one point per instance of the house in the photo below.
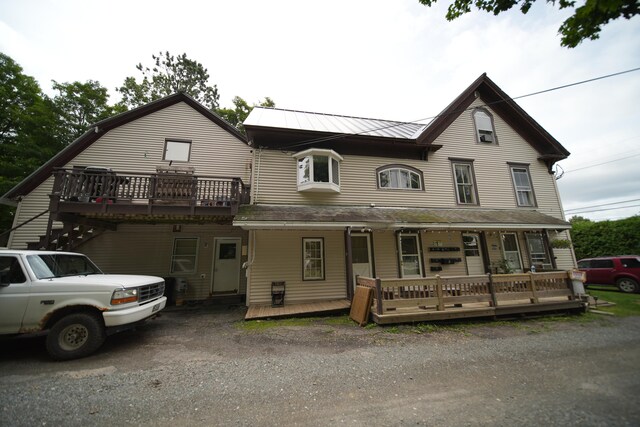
(335, 197)
(150, 191)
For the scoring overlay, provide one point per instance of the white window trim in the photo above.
(533, 203)
(195, 260)
(304, 258)
(474, 193)
(400, 168)
(547, 256)
(318, 186)
(479, 137)
(176, 141)
(401, 254)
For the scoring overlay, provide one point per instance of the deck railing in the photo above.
(166, 188)
(440, 293)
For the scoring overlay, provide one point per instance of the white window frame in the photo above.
(399, 169)
(485, 129)
(471, 183)
(523, 189)
(306, 259)
(176, 154)
(193, 257)
(333, 166)
(538, 258)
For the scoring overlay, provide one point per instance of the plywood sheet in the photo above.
(361, 305)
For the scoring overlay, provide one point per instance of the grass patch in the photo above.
(626, 304)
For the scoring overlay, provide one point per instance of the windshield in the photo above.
(52, 265)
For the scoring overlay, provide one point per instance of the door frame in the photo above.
(416, 235)
(372, 266)
(516, 237)
(481, 252)
(216, 240)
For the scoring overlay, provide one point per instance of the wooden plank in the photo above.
(410, 302)
(361, 305)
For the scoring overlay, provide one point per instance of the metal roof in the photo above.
(331, 123)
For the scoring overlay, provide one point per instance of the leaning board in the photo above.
(361, 305)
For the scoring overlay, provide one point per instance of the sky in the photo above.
(386, 59)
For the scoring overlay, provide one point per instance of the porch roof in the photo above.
(338, 217)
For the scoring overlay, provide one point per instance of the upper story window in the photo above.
(485, 130)
(399, 177)
(177, 150)
(522, 185)
(465, 182)
(318, 170)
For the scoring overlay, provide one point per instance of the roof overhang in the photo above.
(270, 217)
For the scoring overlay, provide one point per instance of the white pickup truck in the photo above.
(66, 295)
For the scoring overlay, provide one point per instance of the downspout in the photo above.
(349, 262)
(257, 172)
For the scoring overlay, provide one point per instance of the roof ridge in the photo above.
(340, 115)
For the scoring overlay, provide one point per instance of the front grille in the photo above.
(150, 292)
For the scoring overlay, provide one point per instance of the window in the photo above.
(522, 185)
(601, 263)
(537, 250)
(313, 259)
(465, 188)
(11, 271)
(630, 262)
(185, 256)
(484, 126)
(318, 170)
(177, 151)
(399, 177)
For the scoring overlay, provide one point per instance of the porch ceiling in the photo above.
(338, 217)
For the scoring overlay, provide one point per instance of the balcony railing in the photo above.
(102, 190)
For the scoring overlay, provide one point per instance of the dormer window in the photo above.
(399, 177)
(318, 170)
(485, 131)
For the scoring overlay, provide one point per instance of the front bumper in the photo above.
(133, 314)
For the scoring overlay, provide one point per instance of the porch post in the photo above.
(545, 239)
(492, 289)
(485, 253)
(349, 261)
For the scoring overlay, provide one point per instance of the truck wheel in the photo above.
(627, 285)
(75, 335)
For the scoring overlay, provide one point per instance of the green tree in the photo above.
(601, 238)
(241, 110)
(169, 75)
(585, 23)
(27, 138)
(78, 105)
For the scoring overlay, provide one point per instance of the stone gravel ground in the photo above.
(204, 366)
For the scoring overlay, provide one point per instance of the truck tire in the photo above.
(75, 335)
(627, 285)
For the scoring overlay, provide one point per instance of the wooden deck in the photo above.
(256, 312)
(442, 298)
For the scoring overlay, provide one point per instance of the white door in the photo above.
(511, 251)
(410, 265)
(226, 265)
(361, 256)
(473, 254)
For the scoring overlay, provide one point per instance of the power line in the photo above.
(604, 204)
(603, 163)
(339, 136)
(600, 210)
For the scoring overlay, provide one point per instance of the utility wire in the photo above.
(604, 204)
(418, 122)
(600, 210)
(603, 163)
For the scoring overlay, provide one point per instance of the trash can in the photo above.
(577, 280)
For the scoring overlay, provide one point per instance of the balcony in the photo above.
(169, 194)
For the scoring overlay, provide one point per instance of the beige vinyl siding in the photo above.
(358, 181)
(31, 205)
(138, 147)
(278, 257)
(147, 249)
(385, 250)
(449, 239)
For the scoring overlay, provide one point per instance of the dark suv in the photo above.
(621, 271)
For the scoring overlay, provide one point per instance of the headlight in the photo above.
(124, 296)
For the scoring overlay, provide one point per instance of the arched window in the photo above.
(399, 177)
(485, 130)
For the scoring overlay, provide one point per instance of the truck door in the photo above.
(14, 294)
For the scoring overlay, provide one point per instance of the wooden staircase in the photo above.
(67, 238)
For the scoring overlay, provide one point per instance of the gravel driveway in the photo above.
(200, 366)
